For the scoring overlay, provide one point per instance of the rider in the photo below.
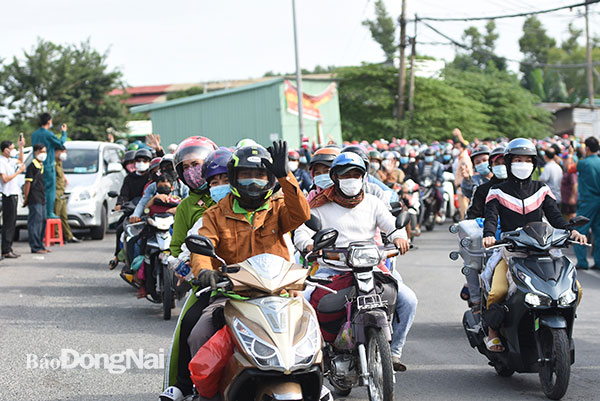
(319, 166)
(249, 221)
(356, 216)
(129, 161)
(431, 167)
(480, 159)
(517, 201)
(375, 160)
(499, 174)
(302, 176)
(389, 173)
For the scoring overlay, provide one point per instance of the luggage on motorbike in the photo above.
(344, 338)
(207, 365)
(331, 308)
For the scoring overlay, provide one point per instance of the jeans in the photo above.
(36, 226)
(406, 309)
(9, 220)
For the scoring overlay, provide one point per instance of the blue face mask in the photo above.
(447, 158)
(403, 160)
(323, 181)
(219, 192)
(429, 159)
(483, 168)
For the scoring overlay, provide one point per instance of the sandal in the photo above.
(112, 264)
(493, 342)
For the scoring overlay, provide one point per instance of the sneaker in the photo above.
(398, 366)
(172, 394)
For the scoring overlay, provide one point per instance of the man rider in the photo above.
(480, 159)
(431, 167)
(302, 176)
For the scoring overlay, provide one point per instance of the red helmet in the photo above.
(293, 155)
(192, 148)
(155, 162)
(324, 156)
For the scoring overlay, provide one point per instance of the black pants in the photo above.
(184, 381)
(9, 221)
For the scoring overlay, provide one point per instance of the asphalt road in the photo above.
(68, 301)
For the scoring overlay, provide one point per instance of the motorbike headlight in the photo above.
(264, 355)
(364, 256)
(161, 223)
(567, 298)
(308, 347)
(86, 194)
(537, 300)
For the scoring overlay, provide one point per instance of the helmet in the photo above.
(216, 163)
(429, 152)
(374, 154)
(497, 151)
(519, 147)
(245, 142)
(133, 146)
(128, 157)
(345, 162)
(359, 150)
(250, 157)
(155, 162)
(293, 155)
(143, 153)
(480, 150)
(166, 160)
(194, 147)
(404, 151)
(388, 154)
(324, 156)
(172, 148)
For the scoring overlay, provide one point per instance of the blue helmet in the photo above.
(216, 163)
(345, 162)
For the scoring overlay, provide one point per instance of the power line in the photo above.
(523, 14)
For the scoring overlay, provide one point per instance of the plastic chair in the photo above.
(49, 238)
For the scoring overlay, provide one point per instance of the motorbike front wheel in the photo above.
(379, 360)
(166, 293)
(554, 374)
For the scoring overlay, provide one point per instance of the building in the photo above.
(263, 111)
(578, 120)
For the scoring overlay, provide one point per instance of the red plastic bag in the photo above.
(207, 365)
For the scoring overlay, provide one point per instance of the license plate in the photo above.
(369, 302)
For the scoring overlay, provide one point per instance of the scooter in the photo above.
(428, 201)
(449, 205)
(540, 309)
(277, 343)
(364, 358)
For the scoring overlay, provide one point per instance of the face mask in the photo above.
(521, 170)
(141, 166)
(388, 164)
(375, 166)
(446, 158)
(429, 159)
(219, 192)
(455, 152)
(483, 168)
(13, 153)
(404, 160)
(500, 172)
(246, 182)
(351, 186)
(193, 177)
(293, 165)
(323, 181)
(163, 189)
(42, 157)
(63, 156)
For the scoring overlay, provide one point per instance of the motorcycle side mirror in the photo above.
(201, 245)
(402, 219)
(325, 238)
(396, 208)
(578, 221)
(313, 223)
(113, 194)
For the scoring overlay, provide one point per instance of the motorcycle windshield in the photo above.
(268, 266)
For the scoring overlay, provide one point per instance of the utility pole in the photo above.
(298, 79)
(590, 77)
(402, 72)
(411, 88)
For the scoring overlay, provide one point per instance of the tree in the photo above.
(71, 82)
(194, 90)
(480, 51)
(383, 30)
(535, 45)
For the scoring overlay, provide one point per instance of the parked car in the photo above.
(93, 169)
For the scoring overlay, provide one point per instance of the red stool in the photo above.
(50, 238)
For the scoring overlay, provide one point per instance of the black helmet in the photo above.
(128, 157)
(480, 150)
(404, 151)
(250, 157)
(429, 152)
(143, 153)
(359, 151)
(497, 151)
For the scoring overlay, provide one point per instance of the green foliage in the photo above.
(71, 82)
(383, 30)
(480, 55)
(195, 90)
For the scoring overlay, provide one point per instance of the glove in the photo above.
(207, 278)
(279, 154)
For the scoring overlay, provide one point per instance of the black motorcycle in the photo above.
(366, 358)
(536, 320)
(427, 188)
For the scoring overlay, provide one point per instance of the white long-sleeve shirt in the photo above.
(359, 223)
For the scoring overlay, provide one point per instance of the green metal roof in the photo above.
(204, 96)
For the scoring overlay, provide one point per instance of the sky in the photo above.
(179, 41)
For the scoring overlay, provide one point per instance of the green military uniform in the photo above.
(60, 205)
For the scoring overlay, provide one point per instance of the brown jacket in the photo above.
(236, 239)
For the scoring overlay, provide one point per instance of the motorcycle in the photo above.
(449, 205)
(411, 198)
(277, 343)
(428, 202)
(366, 359)
(540, 309)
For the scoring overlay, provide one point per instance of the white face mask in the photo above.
(500, 172)
(142, 166)
(521, 170)
(13, 153)
(375, 166)
(455, 152)
(351, 186)
(293, 165)
(42, 157)
(63, 156)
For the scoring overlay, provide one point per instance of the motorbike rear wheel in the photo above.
(554, 374)
(379, 360)
(166, 292)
